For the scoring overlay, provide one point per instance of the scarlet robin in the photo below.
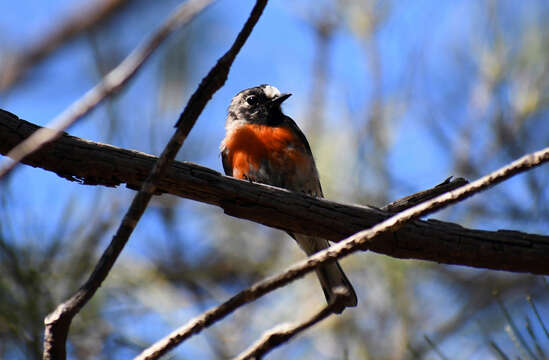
(264, 145)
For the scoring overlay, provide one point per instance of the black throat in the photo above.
(276, 117)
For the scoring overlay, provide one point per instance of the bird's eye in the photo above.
(252, 100)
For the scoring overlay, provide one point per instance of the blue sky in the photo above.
(280, 51)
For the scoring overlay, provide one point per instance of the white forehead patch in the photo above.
(271, 92)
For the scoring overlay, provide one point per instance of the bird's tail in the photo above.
(330, 275)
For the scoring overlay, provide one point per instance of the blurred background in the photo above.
(394, 96)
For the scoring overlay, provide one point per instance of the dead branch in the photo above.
(409, 201)
(110, 84)
(58, 322)
(80, 21)
(100, 164)
(346, 247)
(284, 332)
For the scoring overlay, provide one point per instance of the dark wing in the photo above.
(292, 125)
(226, 165)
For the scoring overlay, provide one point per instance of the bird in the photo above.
(264, 145)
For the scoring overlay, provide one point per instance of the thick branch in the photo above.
(100, 164)
(112, 82)
(360, 240)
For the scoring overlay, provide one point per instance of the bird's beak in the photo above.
(279, 100)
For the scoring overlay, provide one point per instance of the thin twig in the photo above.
(535, 309)
(407, 202)
(416, 355)
(498, 350)
(514, 333)
(111, 83)
(356, 242)
(534, 338)
(516, 342)
(84, 18)
(434, 347)
(284, 332)
(58, 322)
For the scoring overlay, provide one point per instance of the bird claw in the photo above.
(247, 178)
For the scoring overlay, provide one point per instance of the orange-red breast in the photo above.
(264, 145)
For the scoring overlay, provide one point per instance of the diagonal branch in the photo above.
(58, 322)
(100, 164)
(354, 243)
(111, 83)
(284, 332)
(407, 202)
(83, 19)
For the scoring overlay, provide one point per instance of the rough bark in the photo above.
(94, 163)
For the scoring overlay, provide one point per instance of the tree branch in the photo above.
(409, 201)
(83, 19)
(285, 332)
(356, 242)
(111, 83)
(94, 163)
(58, 322)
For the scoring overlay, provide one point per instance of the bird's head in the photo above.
(259, 105)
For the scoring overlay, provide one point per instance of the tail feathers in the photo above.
(330, 275)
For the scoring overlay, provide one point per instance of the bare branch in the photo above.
(434, 347)
(111, 83)
(284, 332)
(422, 196)
(356, 242)
(82, 20)
(58, 322)
(95, 163)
